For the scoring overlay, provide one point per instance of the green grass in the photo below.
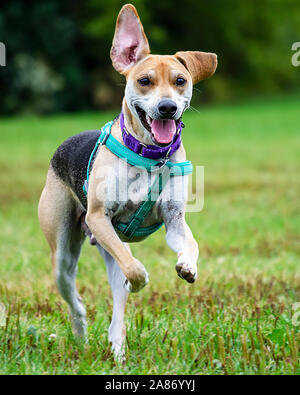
(236, 319)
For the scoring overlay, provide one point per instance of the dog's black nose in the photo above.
(167, 108)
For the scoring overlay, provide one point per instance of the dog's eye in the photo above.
(180, 81)
(144, 81)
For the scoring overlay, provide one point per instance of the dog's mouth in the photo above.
(162, 130)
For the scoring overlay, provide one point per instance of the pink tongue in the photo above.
(163, 130)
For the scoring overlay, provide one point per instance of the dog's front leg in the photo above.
(101, 227)
(180, 239)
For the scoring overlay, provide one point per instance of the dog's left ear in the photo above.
(130, 43)
(200, 65)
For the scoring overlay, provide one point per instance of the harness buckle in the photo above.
(105, 139)
(141, 150)
(162, 163)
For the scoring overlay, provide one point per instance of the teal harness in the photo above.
(163, 168)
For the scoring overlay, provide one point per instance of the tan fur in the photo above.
(163, 71)
(163, 66)
(57, 200)
(201, 65)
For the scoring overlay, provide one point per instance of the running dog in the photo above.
(76, 202)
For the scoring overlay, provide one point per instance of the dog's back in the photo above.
(70, 161)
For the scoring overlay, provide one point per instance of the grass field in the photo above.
(238, 318)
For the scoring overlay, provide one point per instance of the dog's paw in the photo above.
(118, 350)
(185, 270)
(136, 279)
(135, 286)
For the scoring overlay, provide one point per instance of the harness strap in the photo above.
(164, 168)
(144, 209)
(101, 140)
(178, 169)
(141, 231)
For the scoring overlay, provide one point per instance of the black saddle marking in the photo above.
(70, 160)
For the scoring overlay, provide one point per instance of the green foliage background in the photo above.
(58, 51)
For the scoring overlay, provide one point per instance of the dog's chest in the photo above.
(126, 189)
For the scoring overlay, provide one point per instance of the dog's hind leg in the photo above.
(59, 216)
(117, 329)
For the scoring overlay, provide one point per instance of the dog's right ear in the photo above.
(130, 43)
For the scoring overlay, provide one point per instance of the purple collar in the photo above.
(150, 151)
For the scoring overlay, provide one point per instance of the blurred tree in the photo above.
(58, 52)
(44, 72)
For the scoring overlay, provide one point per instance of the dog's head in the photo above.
(159, 88)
